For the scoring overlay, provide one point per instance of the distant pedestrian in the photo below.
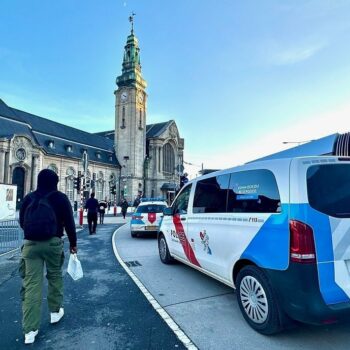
(109, 206)
(92, 208)
(43, 216)
(102, 205)
(124, 205)
(137, 201)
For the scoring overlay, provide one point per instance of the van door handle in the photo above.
(183, 219)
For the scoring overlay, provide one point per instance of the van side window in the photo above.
(211, 195)
(253, 191)
(181, 203)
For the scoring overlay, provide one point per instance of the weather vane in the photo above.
(131, 20)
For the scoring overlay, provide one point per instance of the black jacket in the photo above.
(47, 182)
(92, 205)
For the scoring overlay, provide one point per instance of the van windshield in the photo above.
(328, 187)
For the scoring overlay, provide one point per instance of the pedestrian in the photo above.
(43, 216)
(137, 201)
(92, 207)
(109, 206)
(102, 205)
(124, 205)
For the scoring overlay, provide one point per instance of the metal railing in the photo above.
(11, 236)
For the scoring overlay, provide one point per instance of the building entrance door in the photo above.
(18, 177)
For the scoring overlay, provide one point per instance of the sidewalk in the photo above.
(104, 310)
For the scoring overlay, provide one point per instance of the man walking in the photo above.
(92, 207)
(43, 216)
(124, 205)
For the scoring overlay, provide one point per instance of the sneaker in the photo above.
(29, 338)
(56, 316)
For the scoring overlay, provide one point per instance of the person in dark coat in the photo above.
(44, 251)
(92, 208)
(102, 205)
(124, 205)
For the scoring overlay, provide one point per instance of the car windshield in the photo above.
(151, 208)
(328, 189)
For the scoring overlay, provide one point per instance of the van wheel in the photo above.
(257, 300)
(133, 234)
(163, 249)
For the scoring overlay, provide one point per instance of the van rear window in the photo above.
(328, 187)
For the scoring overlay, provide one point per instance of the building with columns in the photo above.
(136, 158)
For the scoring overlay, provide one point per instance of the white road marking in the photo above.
(186, 341)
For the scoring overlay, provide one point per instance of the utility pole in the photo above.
(85, 166)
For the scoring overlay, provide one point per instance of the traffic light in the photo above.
(183, 180)
(77, 183)
(113, 189)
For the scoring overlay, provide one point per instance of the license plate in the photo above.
(151, 228)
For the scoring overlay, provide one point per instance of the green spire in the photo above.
(131, 68)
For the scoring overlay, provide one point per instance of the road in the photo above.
(104, 310)
(207, 311)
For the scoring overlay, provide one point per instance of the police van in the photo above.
(278, 231)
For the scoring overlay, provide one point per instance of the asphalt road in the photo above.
(104, 310)
(207, 310)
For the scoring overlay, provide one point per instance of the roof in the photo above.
(42, 131)
(155, 130)
(322, 146)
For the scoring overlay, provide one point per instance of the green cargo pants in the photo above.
(34, 255)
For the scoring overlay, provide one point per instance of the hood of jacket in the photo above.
(47, 181)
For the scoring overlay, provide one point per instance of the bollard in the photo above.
(115, 211)
(81, 216)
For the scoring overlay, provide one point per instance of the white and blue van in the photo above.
(278, 231)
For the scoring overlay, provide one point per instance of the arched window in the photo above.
(123, 118)
(99, 189)
(168, 159)
(70, 188)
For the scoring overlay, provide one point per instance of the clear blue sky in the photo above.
(239, 77)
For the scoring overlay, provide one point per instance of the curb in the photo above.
(186, 341)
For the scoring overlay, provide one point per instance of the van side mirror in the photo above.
(168, 211)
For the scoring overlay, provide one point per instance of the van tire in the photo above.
(163, 250)
(133, 234)
(257, 300)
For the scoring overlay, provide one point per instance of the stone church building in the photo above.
(134, 158)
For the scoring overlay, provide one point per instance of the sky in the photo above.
(238, 77)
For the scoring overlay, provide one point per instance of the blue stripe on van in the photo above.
(136, 222)
(270, 247)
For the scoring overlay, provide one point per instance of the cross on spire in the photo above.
(131, 20)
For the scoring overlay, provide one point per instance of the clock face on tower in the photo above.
(124, 96)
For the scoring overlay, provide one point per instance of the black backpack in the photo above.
(40, 221)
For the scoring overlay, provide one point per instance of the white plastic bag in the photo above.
(74, 267)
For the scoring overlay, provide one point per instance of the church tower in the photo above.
(130, 119)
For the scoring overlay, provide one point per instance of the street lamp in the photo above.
(296, 142)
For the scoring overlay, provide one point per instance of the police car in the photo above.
(147, 216)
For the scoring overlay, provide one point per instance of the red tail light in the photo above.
(302, 244)
(137, 217)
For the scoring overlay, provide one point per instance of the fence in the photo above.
(11, 236)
